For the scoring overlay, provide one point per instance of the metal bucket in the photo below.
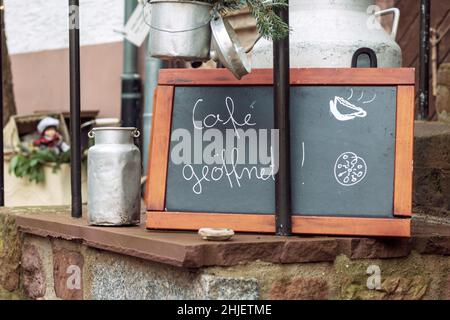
(227, 49)
(114, 174)
(180, 29)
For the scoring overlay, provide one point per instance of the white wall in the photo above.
(37, 25)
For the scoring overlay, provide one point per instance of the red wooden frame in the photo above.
(399, 226)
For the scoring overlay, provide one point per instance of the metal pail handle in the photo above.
(144, 17)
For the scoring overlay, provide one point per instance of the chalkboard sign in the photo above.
(214, 149)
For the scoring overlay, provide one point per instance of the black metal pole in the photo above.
(424, 77)
(281, 105)
(75, 150)
(2, 180)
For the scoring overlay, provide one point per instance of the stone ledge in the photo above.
(188, 250)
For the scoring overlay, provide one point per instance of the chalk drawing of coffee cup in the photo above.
(344, 110)
(349, 169)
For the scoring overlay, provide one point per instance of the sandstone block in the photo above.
(33, 272)
(300, 289)
(67, 274)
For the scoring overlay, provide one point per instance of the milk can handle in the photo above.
(372, 57)
(136, 133)
(396, 21)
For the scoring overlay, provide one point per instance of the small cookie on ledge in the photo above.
(213, 234)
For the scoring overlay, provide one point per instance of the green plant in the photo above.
(31, 164)
(269, 24)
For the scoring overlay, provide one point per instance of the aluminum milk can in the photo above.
(326, 33)
(114, 175)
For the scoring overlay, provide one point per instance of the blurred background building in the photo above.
(38, 43)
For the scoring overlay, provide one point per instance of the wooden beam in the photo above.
(309, 76)
(403, 177)
(266, 224)
(159, 148)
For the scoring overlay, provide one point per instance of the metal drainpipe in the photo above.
(152, 67)
(131, 81)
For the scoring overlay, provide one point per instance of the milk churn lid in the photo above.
(227, 49)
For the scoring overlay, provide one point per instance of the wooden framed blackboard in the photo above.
(211, 155)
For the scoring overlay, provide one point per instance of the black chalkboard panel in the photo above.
(343, 147)
(200, 187)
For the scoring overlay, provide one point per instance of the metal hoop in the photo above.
(91, 134)
(250, 48)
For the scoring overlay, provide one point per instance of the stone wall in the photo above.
(48, 266)
(10, 255)
(50, 271)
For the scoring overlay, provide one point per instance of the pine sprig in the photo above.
(269, 24)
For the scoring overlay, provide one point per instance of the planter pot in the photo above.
(180, 29)
(54, 191)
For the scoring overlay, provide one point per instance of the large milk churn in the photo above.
(114, 175)
(326, 33)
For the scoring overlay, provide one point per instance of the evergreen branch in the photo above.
(268, 23)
